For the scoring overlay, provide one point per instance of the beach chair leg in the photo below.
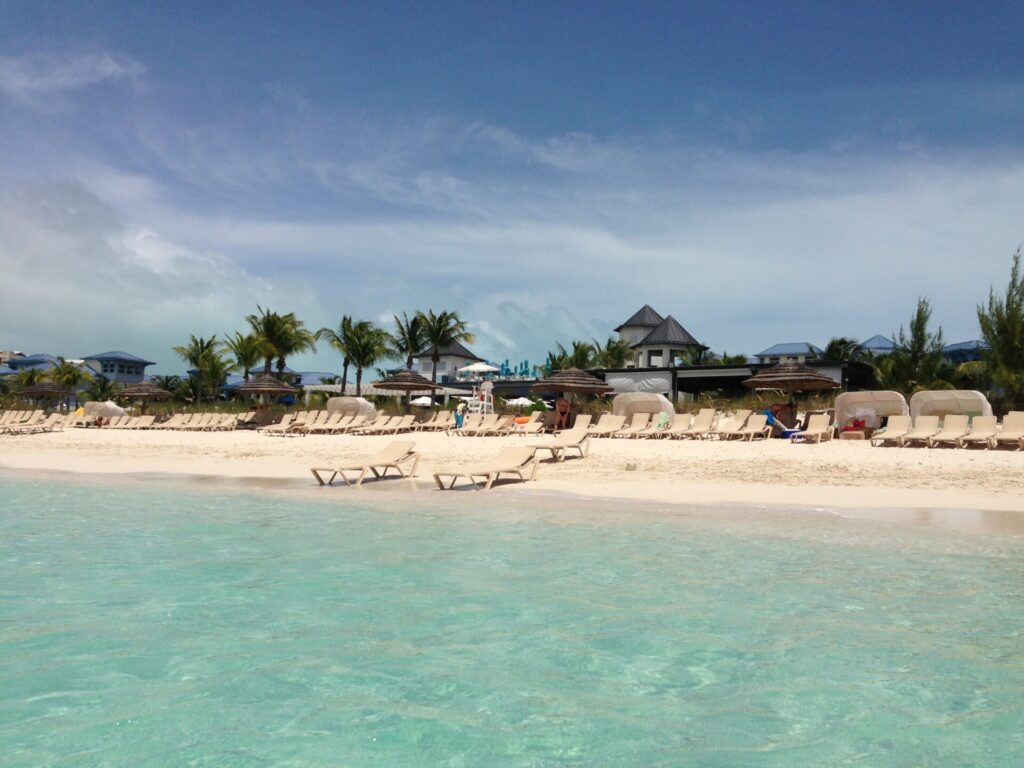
(533, 468)
(415, 464)
(362, 475)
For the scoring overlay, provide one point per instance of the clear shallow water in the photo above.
(151, 626)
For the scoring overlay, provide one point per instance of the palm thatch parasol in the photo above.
(265, 385)
(46, 390)
(143, 391)
(572, 380)
(790, 378)
(405, 381)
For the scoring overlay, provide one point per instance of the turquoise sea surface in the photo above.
(147, 624)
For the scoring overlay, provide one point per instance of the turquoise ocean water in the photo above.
(154, 625)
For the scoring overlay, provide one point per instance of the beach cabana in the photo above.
(629, 403)
(944, 402)
(265, 386)
(869, 407)
(405, 382)
(143, 392)
(45, 390)
(789, 378)
(574, 381)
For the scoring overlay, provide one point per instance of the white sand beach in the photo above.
(842, 475)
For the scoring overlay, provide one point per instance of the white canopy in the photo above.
(424, 400)
(943, 402)
(357, 405)
(478, 368)
(869, 407)
(519, 402)
(107, 410)
(629, 403)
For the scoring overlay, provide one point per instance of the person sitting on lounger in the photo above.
(563, 411)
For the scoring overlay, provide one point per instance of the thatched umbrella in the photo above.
(572, 380)
(265, 385)
(405, 381)
(46, 390)
(790, 378)
(143, 391)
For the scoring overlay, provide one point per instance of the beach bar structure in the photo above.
(657, 342)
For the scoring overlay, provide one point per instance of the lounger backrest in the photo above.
(818, 422)
(610, 423)
(983, 425)
(955, 423)
(534, 416)
(406, 421)
(572, 436)
(926, 424)
(639, 421)
(514, 457)
(582, 421)
(472, 421)
(489, 421)
(897, 425)
(394, 451)
(702, 421)
(1013, 421)
(756, 423)
(683, 421)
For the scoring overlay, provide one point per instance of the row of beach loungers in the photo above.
(32, 422)
(402, 457)
(955, 430)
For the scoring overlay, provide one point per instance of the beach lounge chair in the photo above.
(637, 424)
(511, 461)
(394, 456)
(699, 427)
(681, 424)
(379, 427)
(470, 421)
(401, 424)
(729, 423)
(325, 426)
(983, 431)
(924, 428)
(756, 427)
(53, 422)
(896, 428)
(819, 427)
(1012, 432)
(569, 440)
(954, 427)
(142, 422)
(607, 425)
(488, 422)
(281, 427)
(582, 421)
(504, 426)
(356, 422)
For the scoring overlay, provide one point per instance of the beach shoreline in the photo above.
(955, 487)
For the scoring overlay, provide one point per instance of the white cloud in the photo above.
(80, 281)
(26, 76)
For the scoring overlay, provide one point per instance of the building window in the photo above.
(108, 367)
(442, 366)
(120, 367)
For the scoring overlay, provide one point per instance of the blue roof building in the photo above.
(119, 366)
(31, 362)
(965, 351)
(877, 345)
(793, 352)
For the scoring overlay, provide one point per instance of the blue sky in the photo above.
(764, 172)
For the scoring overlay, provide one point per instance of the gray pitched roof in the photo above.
(645, 317)
(121, 356)
(455, 349)
(669, 332)
(792, 348)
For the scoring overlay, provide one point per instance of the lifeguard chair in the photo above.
(484, 402)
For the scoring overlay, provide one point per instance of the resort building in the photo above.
(118, 366)
(965, 351)
(452, 357)
(32, 362)
(795, 352)
(657, 341)
(877, 345)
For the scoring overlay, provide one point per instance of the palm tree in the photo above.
(279, 336)
(170, 383)
(727, 359)
(26, 377)
(440, 331)
(582, 355)
(842, 349)
(246, 350)
(367, 346)
(1002, 326)
(101, 389)
(197, 353)
(68, 375)
(339, 340)
(614, 354)
(408, 338)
